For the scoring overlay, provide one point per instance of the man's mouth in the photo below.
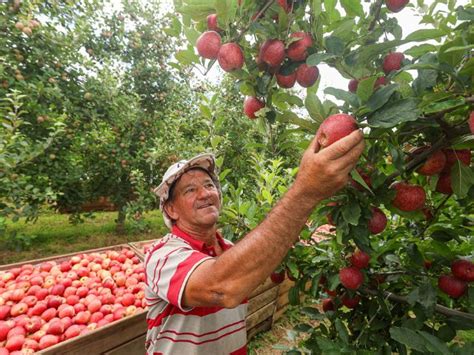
(206, 205)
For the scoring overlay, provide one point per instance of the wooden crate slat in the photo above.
(268, 283)
(261, 327)
(133, 347)
(103, 339)
(279, 313)
(286, 285)
(282, 300)
(262, 299)
(138, 246)
(263, 313)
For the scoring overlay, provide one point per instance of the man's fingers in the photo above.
(314, 145)
(344, 145)
(352, 157)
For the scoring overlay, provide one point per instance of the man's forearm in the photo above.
(251, 260)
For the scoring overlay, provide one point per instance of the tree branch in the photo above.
(438, 308)
(254, 19)
(412, 164)
(378, 7)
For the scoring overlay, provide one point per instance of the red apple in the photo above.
(434, 164)
(334, 128)
(230, 57)
(307, 75)
(444, 184)
(463, 270)
(298, 50)
(351, 277)
(286, 81)
(251, 106)
(408, 197)
(377, 222)
(208, 44)
(392, 62)
(353, 85)
(452, 286)
(396, 5)
(48, 341)
(360, 259)
(212, 23)
(272, 52)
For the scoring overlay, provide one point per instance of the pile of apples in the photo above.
(44, 304)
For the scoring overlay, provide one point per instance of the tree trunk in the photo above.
(120, 221)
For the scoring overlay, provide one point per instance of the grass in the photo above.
(53, 234)
(281, 335)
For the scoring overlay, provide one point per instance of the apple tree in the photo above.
(103, 89)
(396, 272)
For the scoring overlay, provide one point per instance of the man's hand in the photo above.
(325, 171)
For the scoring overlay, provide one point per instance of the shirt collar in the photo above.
(196, 243)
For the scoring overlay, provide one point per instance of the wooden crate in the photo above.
(112, 336)
(140, 247)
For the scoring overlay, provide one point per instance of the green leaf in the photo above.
(334, 45)
(312, 313)
(353, 8)
(315, 108)
(464, 142)
(343, 95)
(444, 105)
(290, 117)
(434, 344)
(294, 295)
(414, 254)
(452, 57)
(418, 51)
(366, 88)
(342, 331)
(351, 212)
(205, 110)
(381, 96)
(408, 337)
(423, 35)
(247, 89)
(316, 58)
(356, 176)
(187, 57)
(465, 13)
(395, 113)
(191, 35)
(462, 178)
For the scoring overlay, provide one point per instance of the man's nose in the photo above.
(203, 192)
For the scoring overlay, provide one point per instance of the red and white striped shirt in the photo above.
(174, 329)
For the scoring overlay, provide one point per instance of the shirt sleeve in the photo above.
(168, 270)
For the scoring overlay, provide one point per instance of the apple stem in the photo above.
(435, 214)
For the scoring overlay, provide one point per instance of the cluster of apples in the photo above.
(42, 305)
(351, 278)
(272, 53)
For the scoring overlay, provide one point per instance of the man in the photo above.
(197, 283)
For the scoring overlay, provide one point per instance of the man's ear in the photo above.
(171, 211)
